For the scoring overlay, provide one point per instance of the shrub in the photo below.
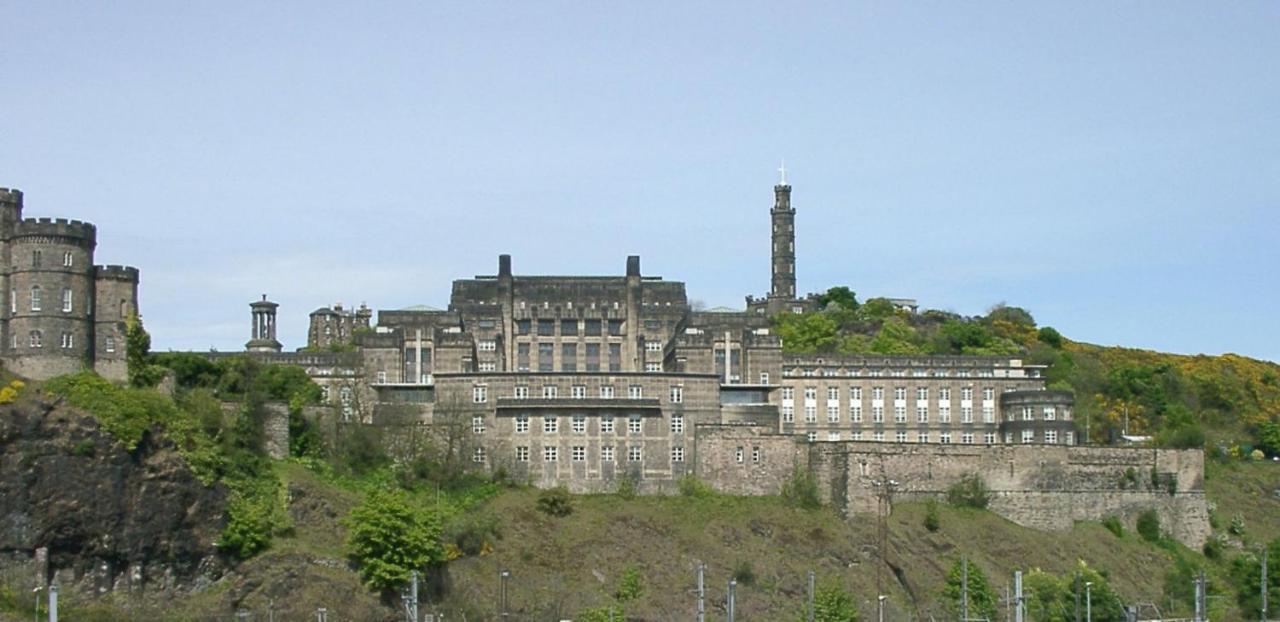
(744, 573)
(474, 533)
(932, 521)
(389, 538)
(608, 613)
(832, 603)
(691, 486)
(1149, 526)
(555, 501)
(84, 448)
(970, 492)
(1050, 337)
(1237, 525)
(1212, 548)
(1114, 525)
(801, 489)
(630, 586)
(255, 513)
(626, 486)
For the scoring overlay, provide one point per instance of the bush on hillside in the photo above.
(932, 521)
(555, 501)
(1114, 525)
(1149, 526)
(389, 538)
(801, 490)
(970, 492)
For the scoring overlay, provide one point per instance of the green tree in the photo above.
(1246, 575)
(932, 521)
(832, 603)
(841, 295)
(1149, 526)
(807, 332)
(1014, 315)
(630, 585)
(876, 309)
(137, 354)
(1051, 337)
(1269, 437)
(982, 599)
(895, 337)
(389, 538)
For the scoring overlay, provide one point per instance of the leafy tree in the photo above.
(607, 613)
(806, 332)
(137, 354)
(389, 538)
(801, 489)
(982, 599)
(1149, 526)
(841, 295)
(630, 585)
(1014, 315)
(1246, 575)
(555, 501)
(832, 603)
(895, 337)
(932, 521)
(1269, 437)
(970, 492)
(959, 337)
(359, 449)
(1051, 337)
(877, 309)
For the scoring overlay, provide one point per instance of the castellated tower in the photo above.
(53, 322)
(784, 244)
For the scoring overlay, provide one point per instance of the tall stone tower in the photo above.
(784, 242)
(264, 327)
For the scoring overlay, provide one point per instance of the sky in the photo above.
(1112, 167)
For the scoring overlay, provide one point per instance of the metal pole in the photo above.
(37, 593)
(1088, 601)
(413, 596)
(732, 584)
(503, 577)
(1264, 584)
(880, 607)
(53, 603)
(702, 593)
(1017, 596)
(810, 596)
(964, 589)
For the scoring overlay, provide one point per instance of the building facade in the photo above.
(63, 313)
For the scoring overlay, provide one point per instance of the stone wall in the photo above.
(1046, 487)
(746, 459)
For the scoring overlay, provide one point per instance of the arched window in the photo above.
(35, 339)
(35, 259)
(66, 300)
(124, 308)
(35, 297)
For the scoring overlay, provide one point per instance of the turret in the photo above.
(10, 209)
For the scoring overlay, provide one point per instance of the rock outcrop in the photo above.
(79, 509)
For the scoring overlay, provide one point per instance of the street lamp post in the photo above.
(880, 607)
(37, 593)
(1088, 601)
(503, 576)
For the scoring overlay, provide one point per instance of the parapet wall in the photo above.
(1046, 487)
(80, 231)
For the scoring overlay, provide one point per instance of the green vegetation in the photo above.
(1149, 526)
(801, 489)
(1114, 525)
(932, 521)
(982, 600)
(969, 492)
(555, 502)
(832, 603)
(389, 538)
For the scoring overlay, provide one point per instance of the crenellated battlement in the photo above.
(57, 227)
(11, 196)
(116, 273)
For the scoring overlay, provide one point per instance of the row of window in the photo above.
(578, 424)
(68, 259)
(578, 453)
(794, 372)
(35, 339)
(877, 393)
(37, 299)
(480, 392)
(878, 414)
(965, 438)
(569, 328)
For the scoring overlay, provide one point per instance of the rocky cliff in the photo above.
(78, 509)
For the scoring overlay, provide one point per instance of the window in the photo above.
(13, 301)
(788, 393)
(522, 423)
(487, 345)
(479, 394)
(833, 393)
(922, 414)
(855, 394)
(878, 436)
(635, 392)
(857, 436)
(740, 455)
(900, 436)
(1028, 436)
(833, 436)
(522, 454)
(578, 424)
(633, 453)
(877, 414)
(944, 394)
(66, 300)
(606, 391)
(568, 328)
(755, 454)
(35, 339)
(578, 391)
(550, 424)
(546, 357)
(653, 346)
(67, 340)
(35, 259)
(1028, 413)
(592, 328)
(521, 392)
(833, 413)
(764, 377)
(1070, 438)
(810, 394)
(381, 377)
(812, 437)
(677, 424)
(35, 298)
(856, 414)
(944, 438)
(900, 414)
(922, 393)
(677, 395)
(653, 367)
(487, 366)
(522, 327)
(569, 357)
(810, 414)
(549, 391)
(877, 393)
(578, 453)
(634, 424)
(677, 454)
(68, 259)
(988, 414)
(989, 438)
(606, 453)
(546, 328)
(944, 414)
(988, 394)
(1051, 437)
(477, 424)
(966, 414)
(1050, 413)
(550, 454)
(606, 424)
(478, 455)
(111, 345)
(615, 326)
(899, 393)
(966, 393)
(788, 413)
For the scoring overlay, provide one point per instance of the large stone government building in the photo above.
(63, 312)
(580, 378)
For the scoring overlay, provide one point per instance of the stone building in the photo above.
(333, 328)
(64, 313)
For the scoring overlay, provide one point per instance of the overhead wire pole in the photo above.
(1264, 584)
(810, 596)
(964, 589)
(702, 593)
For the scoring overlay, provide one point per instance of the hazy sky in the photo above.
(1113, 167)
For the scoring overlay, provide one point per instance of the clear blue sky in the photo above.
(1113, 167)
